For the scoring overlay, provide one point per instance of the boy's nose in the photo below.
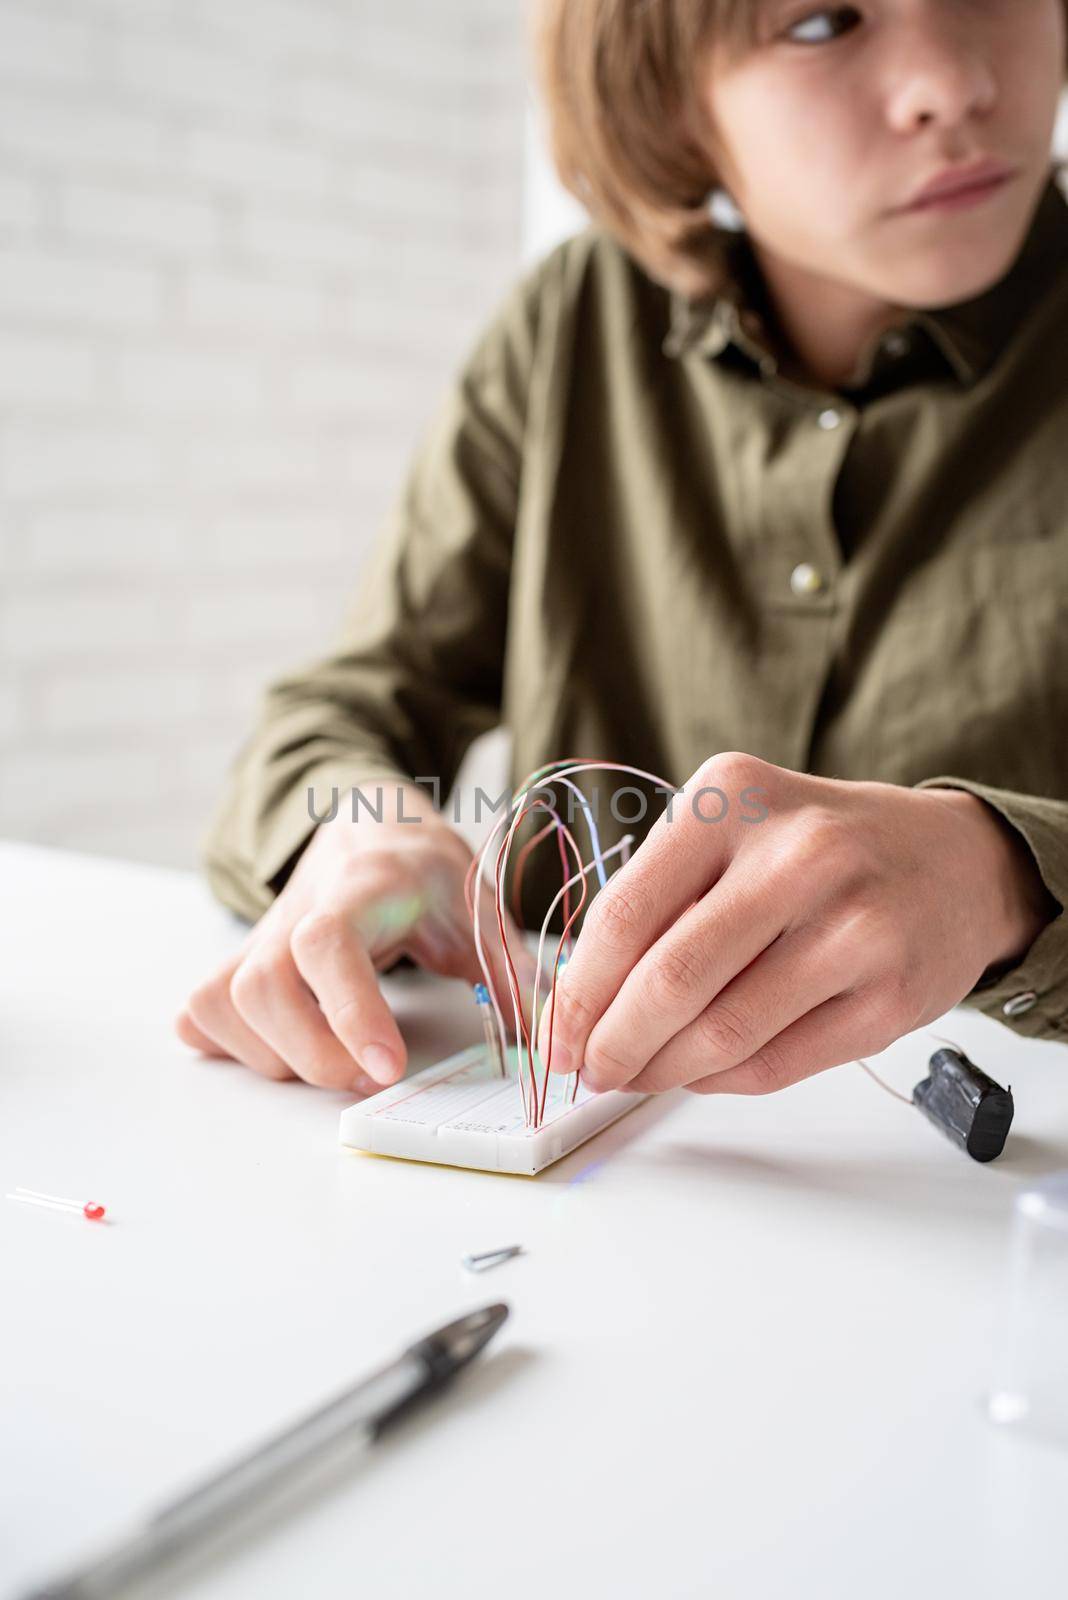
(942, 77)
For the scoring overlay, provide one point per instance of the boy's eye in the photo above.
(820, 26)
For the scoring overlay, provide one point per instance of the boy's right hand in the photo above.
(301, 997)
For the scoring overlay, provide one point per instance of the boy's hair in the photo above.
(628, 132)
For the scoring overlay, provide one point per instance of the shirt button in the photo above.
(806, 579)
(829, 419)
(896, 344)
(1019, 1003)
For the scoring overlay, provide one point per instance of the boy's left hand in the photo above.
(741, 956)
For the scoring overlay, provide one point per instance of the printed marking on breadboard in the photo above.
(437, 1102)
(475, 1108)
(506, 1117)
(469, 1102)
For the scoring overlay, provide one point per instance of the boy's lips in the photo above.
(955, 187)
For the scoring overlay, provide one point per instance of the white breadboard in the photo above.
(462, 1113)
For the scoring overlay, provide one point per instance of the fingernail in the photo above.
(379, 1062)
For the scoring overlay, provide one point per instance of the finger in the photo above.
(384, 960)
(213, 1014)
(677, 979)
(450, 952)
(827, 1036)
(684, 853)
(790, 978)
(190, 1034)
(330, 955)
(443, 942)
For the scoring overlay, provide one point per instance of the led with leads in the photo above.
(489, 1029)
(55, 1202)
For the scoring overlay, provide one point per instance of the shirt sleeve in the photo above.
(1030, 997)
(416, 674)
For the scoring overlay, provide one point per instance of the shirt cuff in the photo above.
(248, 861)
(1031, 997)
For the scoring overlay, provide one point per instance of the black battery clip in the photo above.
(969, 1108)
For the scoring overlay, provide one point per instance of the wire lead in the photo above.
(875, 1078)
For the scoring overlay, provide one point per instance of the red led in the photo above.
(57, 1202)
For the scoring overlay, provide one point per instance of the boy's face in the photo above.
(829, 124)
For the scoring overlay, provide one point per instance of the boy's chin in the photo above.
(952, 277)
(973, 257)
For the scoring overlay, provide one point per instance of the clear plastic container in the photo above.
(1030, 1388)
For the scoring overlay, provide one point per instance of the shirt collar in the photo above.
(969, 335)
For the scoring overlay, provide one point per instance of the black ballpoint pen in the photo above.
(353, 1419)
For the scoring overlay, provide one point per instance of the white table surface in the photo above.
(750, 1337)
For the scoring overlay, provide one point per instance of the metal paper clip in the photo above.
(490, 1258)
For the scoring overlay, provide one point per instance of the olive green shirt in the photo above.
(627, 534)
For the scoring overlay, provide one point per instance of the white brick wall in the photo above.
(243, 244)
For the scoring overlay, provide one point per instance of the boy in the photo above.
(778, 509)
